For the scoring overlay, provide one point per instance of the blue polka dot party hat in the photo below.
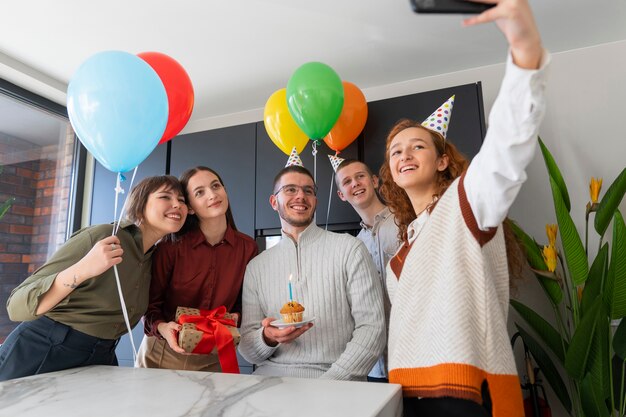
(440, 119)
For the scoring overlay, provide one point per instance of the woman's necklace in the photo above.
(429, 206)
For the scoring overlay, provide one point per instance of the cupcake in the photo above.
(292, 312)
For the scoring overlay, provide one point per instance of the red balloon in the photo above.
(351, 120)
(178, 88)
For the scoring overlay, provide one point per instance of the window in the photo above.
(38, 154)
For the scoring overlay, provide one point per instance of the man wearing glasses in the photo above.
(332, 276)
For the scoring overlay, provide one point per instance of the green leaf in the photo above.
(555, 174)
(552, 289)
(610, 202)
(598, 362)
(617, 367)
(580, 345)
(615, 289)
(594, 283)
(575, 256)
(619, 340)
(549, 336)
(531, 248)
(591, 399)
(5, 206)
(550, 372)
(597, 274)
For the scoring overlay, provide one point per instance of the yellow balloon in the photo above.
(280, 126)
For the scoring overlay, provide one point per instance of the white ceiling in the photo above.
(238, 52)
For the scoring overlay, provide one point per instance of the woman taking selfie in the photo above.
(449, 283)
(70, 308)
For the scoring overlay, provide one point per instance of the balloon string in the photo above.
(116, 225)
(118, 190)
(125, 312)
(330, 197)
(130, 187)
(315, 173)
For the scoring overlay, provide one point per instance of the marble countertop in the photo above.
(116, 391)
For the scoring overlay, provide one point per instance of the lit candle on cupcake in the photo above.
(292, 311)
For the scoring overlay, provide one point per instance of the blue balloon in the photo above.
(118, 107)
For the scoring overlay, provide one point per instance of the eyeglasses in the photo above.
(291, 190)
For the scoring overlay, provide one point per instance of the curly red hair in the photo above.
(400, 205)
(395, 197)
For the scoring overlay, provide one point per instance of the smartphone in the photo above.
(449, 6)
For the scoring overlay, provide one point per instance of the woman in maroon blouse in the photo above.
(202, 268)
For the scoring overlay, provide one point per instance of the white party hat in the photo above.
(294, 158)
(335, 161)
(440, 119)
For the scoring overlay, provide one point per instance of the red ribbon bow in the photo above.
(213, 324)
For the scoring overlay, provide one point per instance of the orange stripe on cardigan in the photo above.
(397, 262)
(481, 236)
(462, 381)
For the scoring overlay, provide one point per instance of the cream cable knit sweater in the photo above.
(336, 281)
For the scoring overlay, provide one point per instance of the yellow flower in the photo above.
(549, 256)
(551, 230)
(594, 189)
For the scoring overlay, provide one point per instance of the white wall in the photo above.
(583, 130)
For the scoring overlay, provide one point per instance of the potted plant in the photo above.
(587, 298)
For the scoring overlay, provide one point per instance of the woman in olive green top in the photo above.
(70, 308)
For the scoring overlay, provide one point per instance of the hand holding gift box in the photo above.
(207, 331)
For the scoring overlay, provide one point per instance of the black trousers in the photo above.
(448, 406)
(443, 407)
(44, 345)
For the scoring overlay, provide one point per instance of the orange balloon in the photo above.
(351, 120)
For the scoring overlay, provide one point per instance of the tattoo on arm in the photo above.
(71, 285)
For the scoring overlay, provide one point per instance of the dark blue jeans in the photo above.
(44, 345)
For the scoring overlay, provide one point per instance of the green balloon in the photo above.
(315, 98)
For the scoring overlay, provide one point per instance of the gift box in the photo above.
(209, 332)
(197, 312)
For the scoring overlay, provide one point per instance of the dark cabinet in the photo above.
(270, 160)
(248, 161)
(231, 153)
(467, 124)
(103, 197)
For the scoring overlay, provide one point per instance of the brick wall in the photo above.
(33, 228)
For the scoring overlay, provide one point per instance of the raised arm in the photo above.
(497, 173)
